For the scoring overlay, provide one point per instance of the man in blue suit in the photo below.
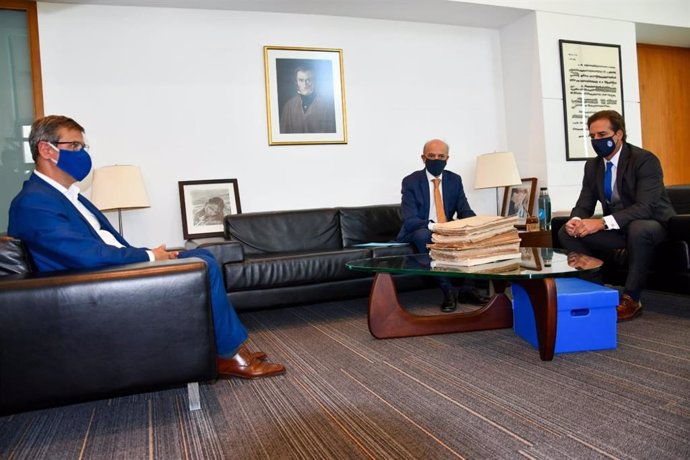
(63, 230)
(422, 206)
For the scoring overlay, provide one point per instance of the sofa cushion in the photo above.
(370, 224)
(285, 231)
(292, 269)
(13, 258)
(680, 198)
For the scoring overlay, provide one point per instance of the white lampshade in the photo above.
(118, 187)
(497, 169)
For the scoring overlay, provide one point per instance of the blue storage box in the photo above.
(586, 316)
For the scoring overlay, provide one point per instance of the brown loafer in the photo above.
(245, 365)
(628, 308)
(260, 355)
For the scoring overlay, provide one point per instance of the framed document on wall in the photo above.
(592, 81)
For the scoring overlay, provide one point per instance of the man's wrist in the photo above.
(604, 225)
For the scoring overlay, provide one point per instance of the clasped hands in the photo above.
(579, 228)
(160, 253)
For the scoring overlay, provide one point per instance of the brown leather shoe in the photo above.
(628, 308)
(245, 365)
(260, 355)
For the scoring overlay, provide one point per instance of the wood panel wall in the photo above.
(664, 76)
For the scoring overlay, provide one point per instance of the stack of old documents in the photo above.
(474, 241)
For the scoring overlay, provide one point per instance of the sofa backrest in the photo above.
(14, 259)
(285, 231)
(370, 224)
(680, 198)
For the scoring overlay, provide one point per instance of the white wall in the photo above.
(181, 94)
(565, 177)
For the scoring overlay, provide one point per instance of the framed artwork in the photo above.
(592, 81)
(205, 203)
(305, 95)
(519, 200)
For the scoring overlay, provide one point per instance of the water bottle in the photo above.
(544, 209)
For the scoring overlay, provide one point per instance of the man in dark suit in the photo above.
(64, 230)
(421, 206)
(629, 184)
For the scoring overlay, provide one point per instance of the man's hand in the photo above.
(160, 253)
(579, 228)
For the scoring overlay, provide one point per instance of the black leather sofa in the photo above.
(670, 270)
(272, 259)
(72, 336)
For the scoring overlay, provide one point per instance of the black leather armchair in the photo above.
(670, 270)
(90, 334)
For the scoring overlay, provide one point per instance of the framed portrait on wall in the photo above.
(518, 200)
(205, 203)
(592, 81)
(305, 95)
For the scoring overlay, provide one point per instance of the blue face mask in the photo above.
(435, 167)
(76, 163)
(604, 147)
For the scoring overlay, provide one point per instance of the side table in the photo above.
(538, 239)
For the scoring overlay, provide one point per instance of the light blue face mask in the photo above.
(76, 163)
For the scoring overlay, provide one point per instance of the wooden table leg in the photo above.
(542, 296)
(388, 319)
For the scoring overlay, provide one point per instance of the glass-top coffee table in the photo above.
(535, 272)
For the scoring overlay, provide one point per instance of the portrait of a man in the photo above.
(308, 105)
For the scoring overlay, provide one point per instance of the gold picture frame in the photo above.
(305, 95)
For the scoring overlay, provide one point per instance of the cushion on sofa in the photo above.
(13, 258)
(292, 269)
(680, 198)
(370, 224)
(285, 231)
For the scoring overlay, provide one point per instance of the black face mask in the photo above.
(604, 146)
(435, 167)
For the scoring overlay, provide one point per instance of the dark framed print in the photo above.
(205, 203)
(592, 81)
(305, 95)
(518, 200)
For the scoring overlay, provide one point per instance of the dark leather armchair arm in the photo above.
(223, 250)
(79, 335)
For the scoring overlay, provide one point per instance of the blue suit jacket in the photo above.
(58, 236)
(415, 201)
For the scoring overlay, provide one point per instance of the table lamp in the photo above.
(497, 169)
(118, 187)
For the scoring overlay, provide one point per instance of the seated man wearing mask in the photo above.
(63, 230)
(629, 184)
(435, 195)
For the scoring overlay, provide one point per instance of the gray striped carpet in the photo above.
(347, 395)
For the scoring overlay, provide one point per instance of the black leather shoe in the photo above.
(450, 303)
(472, 297)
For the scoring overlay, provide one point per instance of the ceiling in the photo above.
(427, 11)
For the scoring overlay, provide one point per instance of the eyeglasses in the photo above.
(74, 145)
(436, 156)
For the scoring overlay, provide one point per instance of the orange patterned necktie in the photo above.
(440, 213)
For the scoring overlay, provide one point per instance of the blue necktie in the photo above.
(607, 181)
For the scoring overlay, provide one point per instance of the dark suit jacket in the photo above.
(640, 185)
(58, 236)
(415, 201)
